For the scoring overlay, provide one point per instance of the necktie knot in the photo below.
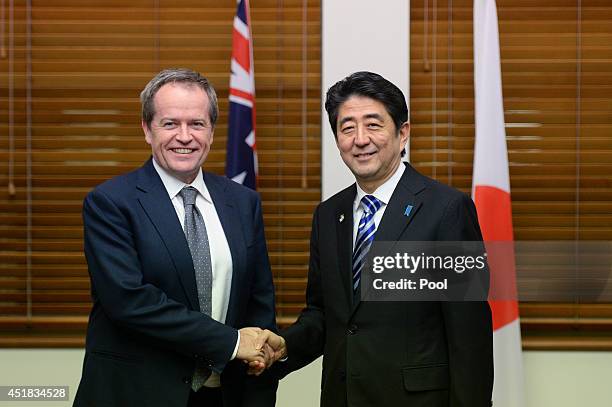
(189, 195)
(370, 204)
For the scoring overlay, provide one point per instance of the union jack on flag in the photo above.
(241, 161)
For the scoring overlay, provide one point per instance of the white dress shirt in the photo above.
(220, 255)
(383, 194)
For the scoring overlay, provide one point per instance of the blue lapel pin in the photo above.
(408, 209)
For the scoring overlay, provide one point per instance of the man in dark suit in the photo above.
(391, 354)
(178, 265)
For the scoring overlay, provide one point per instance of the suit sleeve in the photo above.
(305, 339)
(260, 391)
(468, 323)
(137, 306)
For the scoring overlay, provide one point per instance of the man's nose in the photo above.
(184, 136)
(361, 137)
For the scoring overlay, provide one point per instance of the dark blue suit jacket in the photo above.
(145, 330)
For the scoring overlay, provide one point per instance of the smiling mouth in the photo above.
(183, 150)
(364, 155)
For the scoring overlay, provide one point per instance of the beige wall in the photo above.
(553, 379)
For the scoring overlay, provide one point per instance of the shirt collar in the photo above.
(173, 185)
(383, 193)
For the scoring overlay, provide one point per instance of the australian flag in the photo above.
(241, 162)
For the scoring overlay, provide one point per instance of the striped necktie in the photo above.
(365, 236)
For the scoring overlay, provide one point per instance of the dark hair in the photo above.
(177, 75)
(370, 85)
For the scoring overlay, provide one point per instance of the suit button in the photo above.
(352, 330)
(187, 380)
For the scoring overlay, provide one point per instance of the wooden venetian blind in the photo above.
(556, 58)
(70, 119)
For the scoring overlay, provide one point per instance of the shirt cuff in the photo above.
(236, 347)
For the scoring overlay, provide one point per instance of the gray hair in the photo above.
(177, 75)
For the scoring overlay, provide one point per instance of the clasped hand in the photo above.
(260, 348)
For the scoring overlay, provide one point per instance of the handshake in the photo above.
(260, 348)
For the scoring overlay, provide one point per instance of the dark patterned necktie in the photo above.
(197, 239)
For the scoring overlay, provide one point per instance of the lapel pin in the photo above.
(341, 218)
(408, 209)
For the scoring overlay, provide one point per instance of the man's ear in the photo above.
(404, 133)
(147, 132)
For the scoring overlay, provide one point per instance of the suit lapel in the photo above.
(230, 221)
(156, 203)
(401, 209)
(344, 237)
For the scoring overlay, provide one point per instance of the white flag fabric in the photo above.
(491, 194)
